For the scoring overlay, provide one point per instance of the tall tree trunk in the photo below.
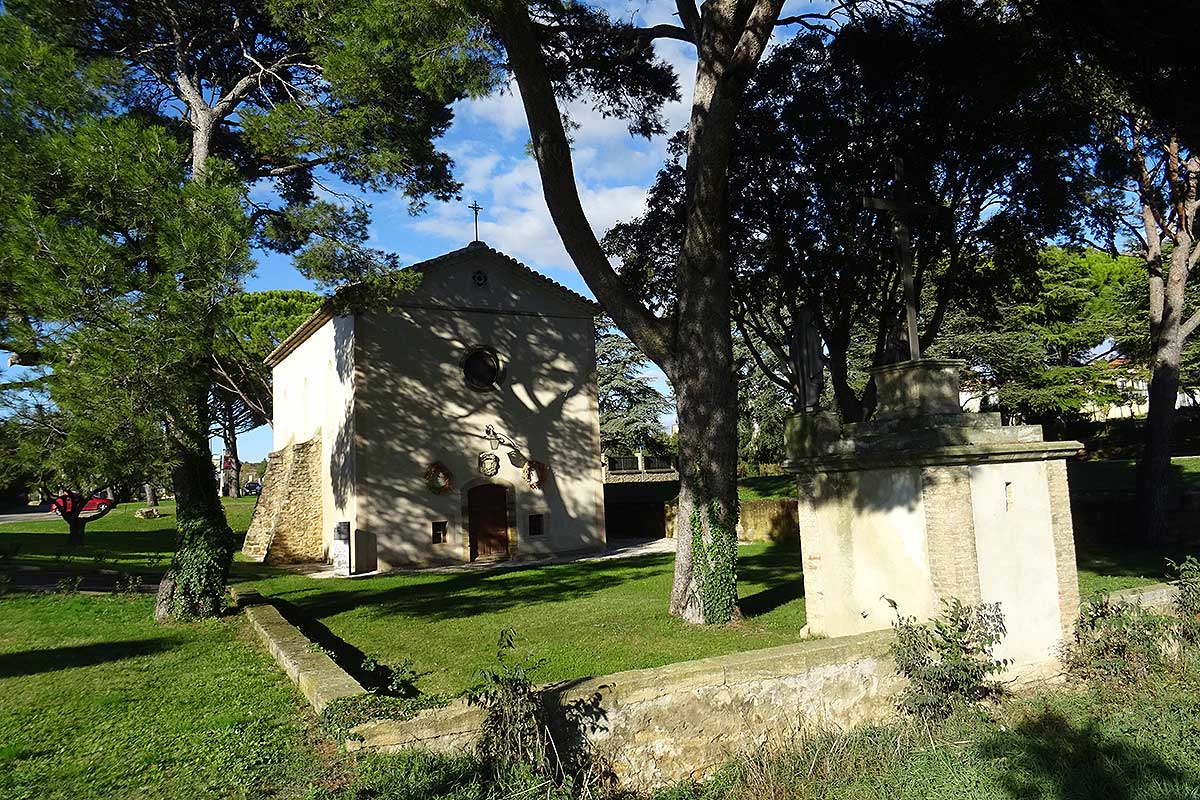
(1154, 469)
(1167, 334)
(694, 348)
(229, 436)
(75, 529)
(705, 583)
(194, 585)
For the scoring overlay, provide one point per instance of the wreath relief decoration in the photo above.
(438, 478)
(489, 464)
(534, 473)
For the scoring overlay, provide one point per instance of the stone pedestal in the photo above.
(925, 503)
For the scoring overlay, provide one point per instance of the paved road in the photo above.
(32, 514)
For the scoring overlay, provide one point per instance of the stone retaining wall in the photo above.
(769, 521)
(319, 679)
(656, 726)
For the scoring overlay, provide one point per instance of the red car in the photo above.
(94, 504)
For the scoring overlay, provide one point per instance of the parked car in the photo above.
(92, 505)
(253, 487)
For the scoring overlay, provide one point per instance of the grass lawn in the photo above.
(766, 487)
(98, 701)
(1120, 475)
(118, 540)
(584, 618)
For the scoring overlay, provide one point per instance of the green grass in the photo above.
(98, 701)
(584, 618)
(1117, 476)
(118, 540)
(1116, 743)
(766, 487)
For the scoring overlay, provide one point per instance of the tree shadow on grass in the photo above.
(1127, 560)
(778, 568)
(455, 595)
(1050, 756)
(759, 603)
(52, 659)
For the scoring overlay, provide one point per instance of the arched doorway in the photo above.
(487, 521)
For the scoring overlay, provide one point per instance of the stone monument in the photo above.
(925, 503)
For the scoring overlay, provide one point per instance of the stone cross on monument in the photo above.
(903, 212)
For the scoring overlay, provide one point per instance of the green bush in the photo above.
(514, 731)
(948, 662)
(1119, 640)
(1187, 587)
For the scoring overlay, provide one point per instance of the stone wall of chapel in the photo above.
(414, 408)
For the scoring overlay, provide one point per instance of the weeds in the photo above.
(514, 730)
(948, 662)
(69, 584)
(127, 585)
(344, 714)
(1121, 641)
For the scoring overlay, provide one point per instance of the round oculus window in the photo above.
(479, 278)
(482, 369)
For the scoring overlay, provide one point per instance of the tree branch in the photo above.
(552, 152)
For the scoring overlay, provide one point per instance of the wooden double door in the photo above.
(487, 521)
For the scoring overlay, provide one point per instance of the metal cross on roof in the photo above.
(476, 208)
(903, 212)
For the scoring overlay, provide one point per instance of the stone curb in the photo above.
(319, 678)
(1156, 596)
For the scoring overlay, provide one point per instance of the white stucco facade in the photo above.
(386, 392)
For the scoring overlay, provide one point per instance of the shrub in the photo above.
(70, 584)
(394, 680)
(1119, 640)
(1187, 587)
(948, 662)
(514, 731)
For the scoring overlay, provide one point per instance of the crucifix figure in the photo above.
(903, 212)
(476, 208)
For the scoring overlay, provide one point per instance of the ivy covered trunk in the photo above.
(194, 586)
(705, 585)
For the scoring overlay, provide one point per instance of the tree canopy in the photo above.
(630, 406)
(983, 130)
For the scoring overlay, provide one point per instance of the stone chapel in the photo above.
(460, 424)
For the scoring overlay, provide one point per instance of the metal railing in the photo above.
(641, 463)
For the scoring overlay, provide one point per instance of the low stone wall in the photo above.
(1157, 597)
(657, 726)
(769, 521)
(319, 679)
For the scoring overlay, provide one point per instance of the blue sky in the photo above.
(487, 142)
